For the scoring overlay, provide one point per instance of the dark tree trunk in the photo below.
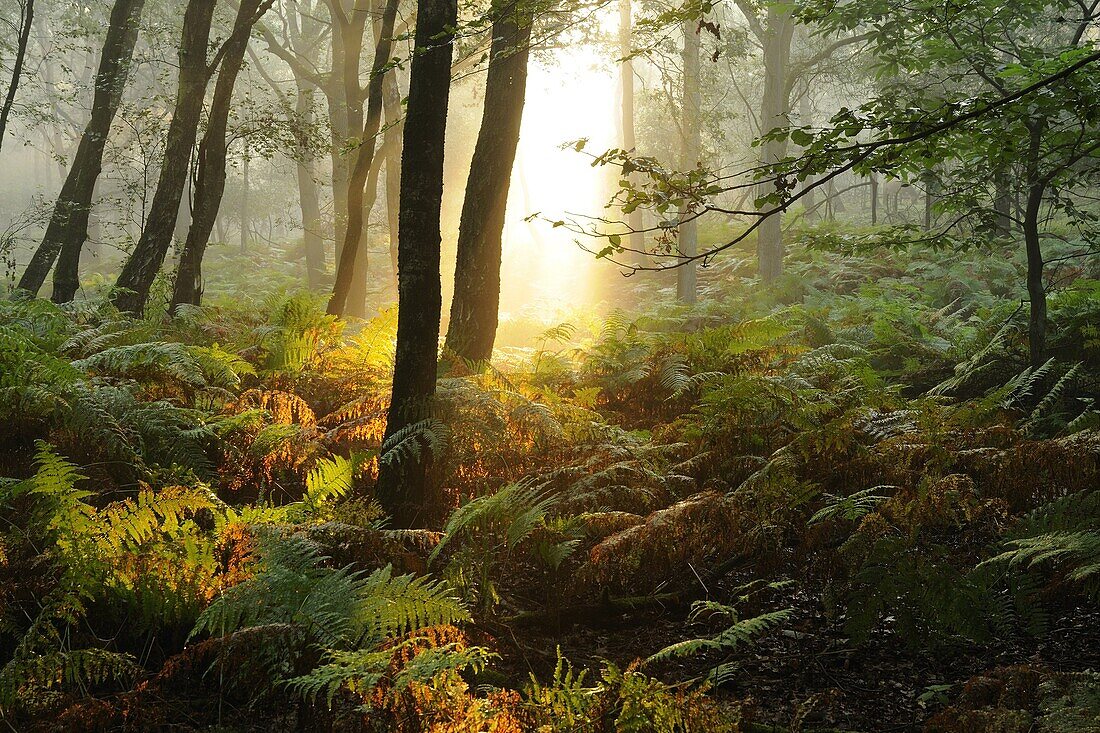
(26, 22)
(210, 183)
(474, 308)
(1002, 203)
(353, 235)
(1036, 289)
(141, 268)
(68, 227)
(402, 485)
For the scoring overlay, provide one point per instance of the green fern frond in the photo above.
(852, 507)
(394, 605)
(741, 632)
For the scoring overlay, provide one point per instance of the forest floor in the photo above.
(846, 503)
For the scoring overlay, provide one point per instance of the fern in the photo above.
(335, 607)
(852, 507)
(147, 362)
(516, 510)
(1064, 533)
(394, 605)
(337, 613)
(741, 632)
(410, 443)
(329, 480)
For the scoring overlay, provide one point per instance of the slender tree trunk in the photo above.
(929, 182)
(345, 103)
(874, 199)
(636, 237)
(351, 264)
(391, 105)
(402, 485)
(364, 159)
(1036, 289)
(244, 213)
(1002, 203)
(474, 309)
(690, 151)
(210, 183)
(141, 268)
(26, 21)
(809, 198)
(775, 105)
(357, 293)
(309, 198)
(68, 227)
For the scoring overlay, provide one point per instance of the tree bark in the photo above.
(634, 222)
(68, 227)
(1036, 290)
(690, 151)
(809, 196)
(243, 213)
(132, 287)
(391, 106)
(1002, 203)
(313, 242)
(474, 308)
(210, 183)
(353, 248)
(345, 104)
(776, 40)
(402, 485)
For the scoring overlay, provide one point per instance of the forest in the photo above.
(564, 366)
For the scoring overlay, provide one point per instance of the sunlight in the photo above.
(545, 274)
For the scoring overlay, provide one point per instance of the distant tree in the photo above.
(346, 267)
(210, 177)
(68, 227)
(26, 22)
(403, 479)
(690, 151)
(195, 70)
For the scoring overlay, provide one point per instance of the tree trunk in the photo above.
(402, 484)
(210, 183)
(1002, 203)
(243, 213)
(689, 157)
(1036, 290)
(474, 309)
(68, 227)
(345, 104)
(353, 250)
(874, 199)
(309, 198)
(356, 306)
(809, 196)
(132, 288)
(635, 237)
(775, 105)
(391, 106)
(26, 22)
